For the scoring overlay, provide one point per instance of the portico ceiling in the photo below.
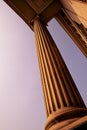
(39, 5)
(29, 9)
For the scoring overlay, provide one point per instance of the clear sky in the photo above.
(21, 98)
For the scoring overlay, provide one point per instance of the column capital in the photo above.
(37, 18)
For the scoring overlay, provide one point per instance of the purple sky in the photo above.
(21, 98)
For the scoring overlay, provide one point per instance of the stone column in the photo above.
(62, 99)
(77, 33)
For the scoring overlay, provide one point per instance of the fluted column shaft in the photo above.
(79, 36)
(58, 86)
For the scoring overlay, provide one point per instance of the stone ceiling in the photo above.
(39, 5)
(29, 9)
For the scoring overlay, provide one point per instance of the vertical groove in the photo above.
(72, 89)
(52, 66)
(64, 83)
(45, 71)
(43, 79)
(64, 71)
(48, 72)
(62, 76)
(55, 68)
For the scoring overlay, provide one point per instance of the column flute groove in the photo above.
(50, 67)
(48, 72)
(48, 94)
(43, 79)
(52, 54)
(45, 74)
(50, 64)
(75, 94)
(62, 90)
(54, 74)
